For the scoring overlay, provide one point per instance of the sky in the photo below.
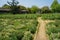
(30, 3)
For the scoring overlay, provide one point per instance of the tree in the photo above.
(34, 9)
(6, 6)
(58, 8)
(45, 9)
(54, 6)
(14, 6)
(22, 7)
(29, 10)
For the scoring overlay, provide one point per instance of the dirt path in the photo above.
(41, 31)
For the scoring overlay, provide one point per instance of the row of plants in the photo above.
(17, 29)
(53, 30)
(19, 16)
(49, 16)
(52, 16)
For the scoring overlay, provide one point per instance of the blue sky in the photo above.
(29, 3)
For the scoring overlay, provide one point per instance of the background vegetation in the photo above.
(15, 8)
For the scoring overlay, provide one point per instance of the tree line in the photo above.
(15, 8)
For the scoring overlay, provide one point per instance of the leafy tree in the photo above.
(29, 10)
(58, 8)
(34, 9)
(45, 9)
(22, 7)
(6, 6)
(14, 6)
(54, 6)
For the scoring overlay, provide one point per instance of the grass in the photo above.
(17, 29)
(53, 30)
(23, 26)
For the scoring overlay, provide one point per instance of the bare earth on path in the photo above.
(41, 33)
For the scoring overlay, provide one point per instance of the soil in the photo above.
(41, 30)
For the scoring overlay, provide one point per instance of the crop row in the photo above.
(17, 29)
(53, 30)
(19, 16)
(51, 16)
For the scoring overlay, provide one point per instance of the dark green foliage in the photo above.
(45, 9)
(29, 10)
(14, 6)
(15, 10)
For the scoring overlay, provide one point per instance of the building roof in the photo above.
(2, 9)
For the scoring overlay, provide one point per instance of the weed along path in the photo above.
(41, 30)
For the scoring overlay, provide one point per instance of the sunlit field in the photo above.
(24, 26)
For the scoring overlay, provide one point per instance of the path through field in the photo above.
(41, 31)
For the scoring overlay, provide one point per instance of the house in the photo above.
(3, 10)
(24, 11)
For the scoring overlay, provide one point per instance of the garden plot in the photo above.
(53, 30)
(17, 29)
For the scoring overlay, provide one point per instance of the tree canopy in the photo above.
(54, 5)
(6, 6)
(14, 6)
(34, 9)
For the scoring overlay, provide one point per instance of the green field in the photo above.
(53, 30)
(50, 16)
(15, 27)
(24, 26)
